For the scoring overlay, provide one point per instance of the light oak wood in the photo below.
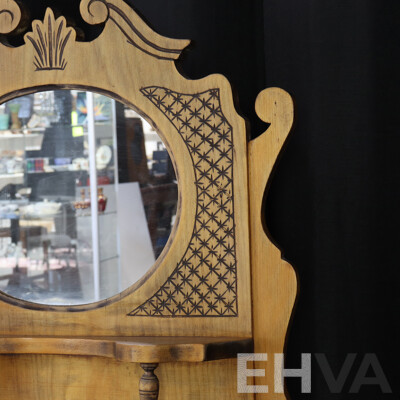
(197, 303)
(274, 283)
(10, 16)
(28, 377)
(133, 64)
(133, 349)
(149, 385)
(147, 351)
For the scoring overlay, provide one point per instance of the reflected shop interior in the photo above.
(88, 197)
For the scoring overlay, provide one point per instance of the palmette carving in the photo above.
(204, 283)
(49, 39)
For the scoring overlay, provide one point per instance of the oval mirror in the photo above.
(88, 197)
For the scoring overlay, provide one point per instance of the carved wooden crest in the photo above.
(49, 39)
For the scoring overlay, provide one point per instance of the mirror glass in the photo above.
(88, 197)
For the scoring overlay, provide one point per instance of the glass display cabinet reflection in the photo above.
(80, 173)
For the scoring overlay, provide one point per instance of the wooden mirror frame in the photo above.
(220, 286)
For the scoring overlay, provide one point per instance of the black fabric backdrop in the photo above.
(333, 205)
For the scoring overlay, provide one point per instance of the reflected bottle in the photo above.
(102, 200)
(87, 200)
(15, 122)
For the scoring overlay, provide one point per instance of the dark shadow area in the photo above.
(227, 38)
(333, 203)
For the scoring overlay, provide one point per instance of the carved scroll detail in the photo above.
(49, 39)
(10, 15)
(274, 283)
(136, 32)
(94, 11)
(204, 283)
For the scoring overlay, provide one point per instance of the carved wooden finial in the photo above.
(10, 15)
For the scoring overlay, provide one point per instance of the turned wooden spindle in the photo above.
(149, 385)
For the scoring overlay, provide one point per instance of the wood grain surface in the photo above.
(197, 303)
(38, 377)
(200, 285)
(133, 349)
(274, 281)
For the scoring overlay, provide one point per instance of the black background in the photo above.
(333, 204)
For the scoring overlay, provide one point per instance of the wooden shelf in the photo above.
(132, 349)
(148, 351)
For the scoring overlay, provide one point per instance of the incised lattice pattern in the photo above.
(204, 283)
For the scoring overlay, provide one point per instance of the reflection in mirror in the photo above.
(88, 197)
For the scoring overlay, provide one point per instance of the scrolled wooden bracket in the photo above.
(149, 384)
(274, 280)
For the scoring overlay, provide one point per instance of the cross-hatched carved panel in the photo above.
(204, 282)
